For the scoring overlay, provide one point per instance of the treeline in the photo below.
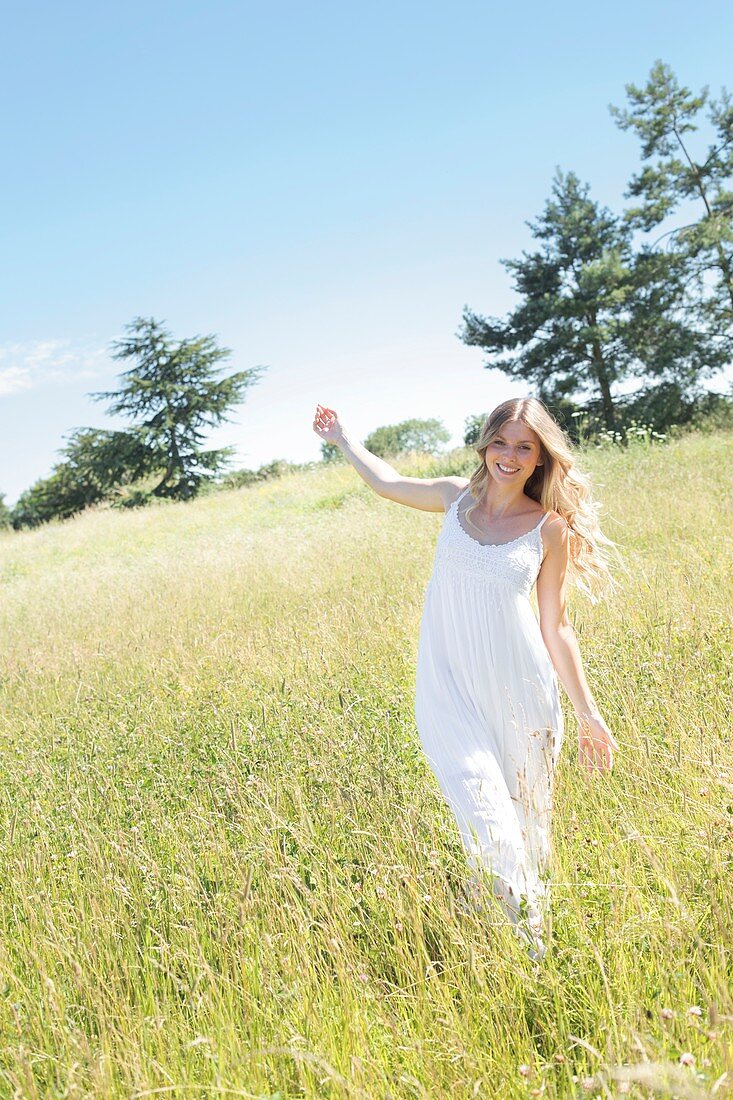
(604, 299)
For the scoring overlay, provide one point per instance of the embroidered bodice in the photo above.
(515, 563)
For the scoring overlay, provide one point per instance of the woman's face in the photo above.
(514, 453)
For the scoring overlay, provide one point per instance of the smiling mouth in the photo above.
(507, 469)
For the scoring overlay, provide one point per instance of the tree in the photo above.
(330, 453)
(174, 392)
(593, 312)
(425, 436)
(662, 114)
(5, 513)
(97, 465)
(107, 459)
(59, 496)
(472, 428)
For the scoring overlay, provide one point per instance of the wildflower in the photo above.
(524, 1071)
(694, 1010)
(587, 1084)
(667, 1013)
(363, 977)
(687, 1059)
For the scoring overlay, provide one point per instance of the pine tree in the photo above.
(663, 114)
(593, 311)
(173, 393)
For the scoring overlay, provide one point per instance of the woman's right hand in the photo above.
(327, 425)
(596, 743)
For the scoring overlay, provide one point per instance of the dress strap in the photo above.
(542, 521)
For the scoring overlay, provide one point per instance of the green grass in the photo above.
(227, 869)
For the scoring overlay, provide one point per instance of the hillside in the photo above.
(225, 860)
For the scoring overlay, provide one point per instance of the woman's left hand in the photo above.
(596, 744)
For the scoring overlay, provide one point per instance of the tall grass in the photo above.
(226, 866)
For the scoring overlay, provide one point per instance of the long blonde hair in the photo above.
(558, 485)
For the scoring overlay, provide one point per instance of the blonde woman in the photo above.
(487, 705)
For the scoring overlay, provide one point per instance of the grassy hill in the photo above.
(227, 869)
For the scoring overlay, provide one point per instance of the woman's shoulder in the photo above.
(555, 526)
(455, 487)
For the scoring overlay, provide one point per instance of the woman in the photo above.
(487, 705)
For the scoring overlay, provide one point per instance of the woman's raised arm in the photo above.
(433, 494)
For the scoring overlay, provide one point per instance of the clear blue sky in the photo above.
(323, 186)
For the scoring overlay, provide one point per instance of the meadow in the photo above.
(226, 866)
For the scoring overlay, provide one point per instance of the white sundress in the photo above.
(488, 712)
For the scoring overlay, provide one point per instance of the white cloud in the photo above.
(26, 366)
(13, 379)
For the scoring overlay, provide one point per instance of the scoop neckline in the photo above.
(492, 545)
